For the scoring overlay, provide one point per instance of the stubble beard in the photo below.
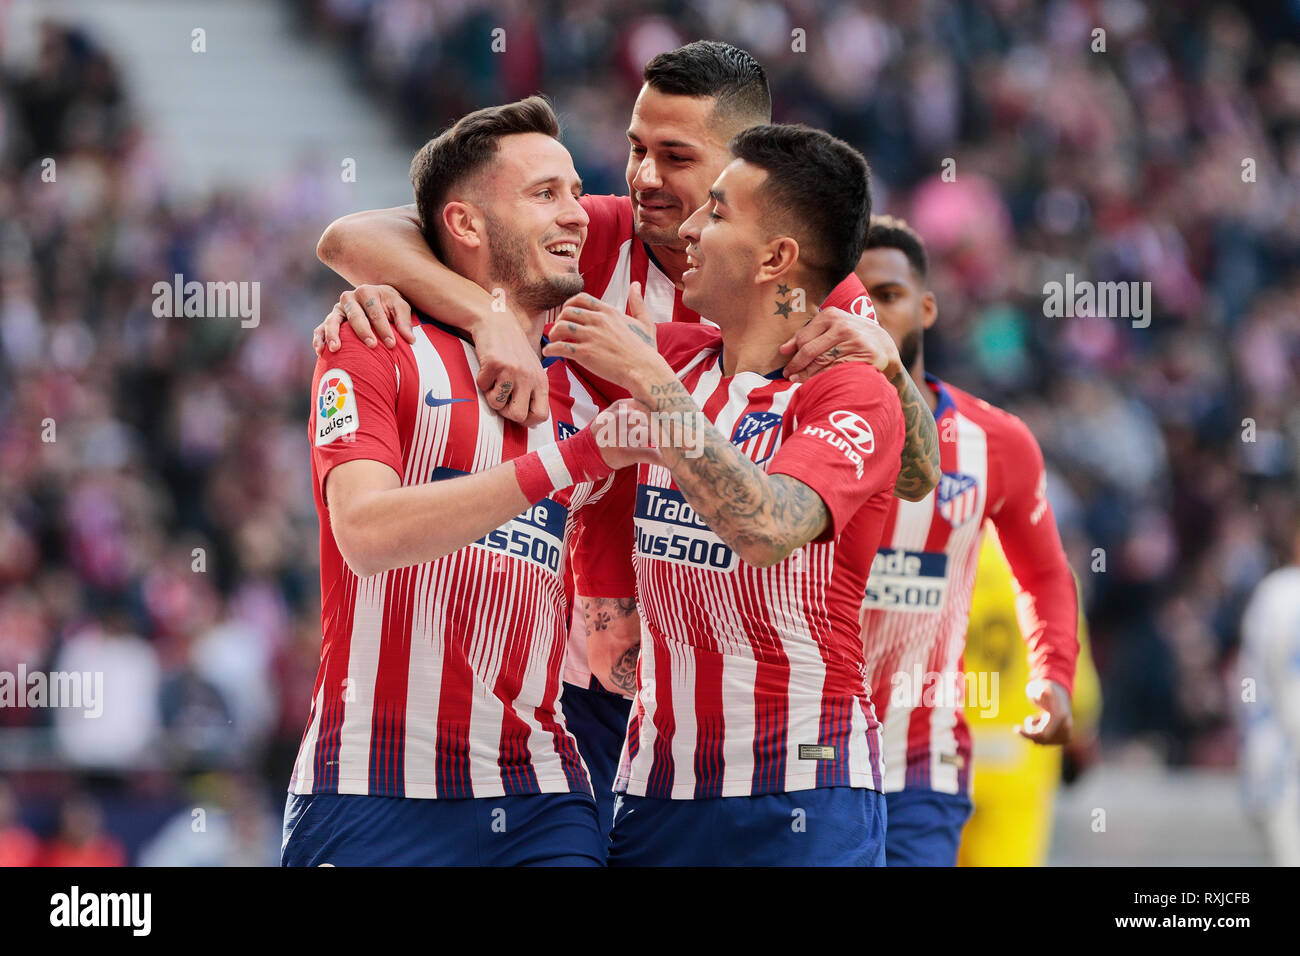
(509, 266)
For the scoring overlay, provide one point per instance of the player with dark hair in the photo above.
(692, 101)
(918, 599)
(435, 735)
(752, 738)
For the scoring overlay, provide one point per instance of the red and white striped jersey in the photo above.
(612, 258)
(918, 597)
(751, 679)
(440, 679)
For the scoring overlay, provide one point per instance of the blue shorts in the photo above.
(925, 827)
(832, 826)
(598, 721)
(545, 829)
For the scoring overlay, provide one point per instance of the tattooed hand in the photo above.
(833, 336)
(616, 346)
(373, 311)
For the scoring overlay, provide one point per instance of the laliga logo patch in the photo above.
(856, 429)
(958, 497)
(336, 407)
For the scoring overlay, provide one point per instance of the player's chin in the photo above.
(695, 296)
(659, 233)
(561, 287)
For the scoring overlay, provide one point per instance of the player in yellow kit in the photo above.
(1014, 787)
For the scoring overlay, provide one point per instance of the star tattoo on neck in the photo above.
(783, 309)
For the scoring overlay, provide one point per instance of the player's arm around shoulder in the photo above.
(384, 253)
(847, 440)
(835, 337)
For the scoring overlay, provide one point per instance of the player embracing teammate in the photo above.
(693, 100)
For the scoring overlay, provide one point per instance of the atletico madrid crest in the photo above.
(958, 497)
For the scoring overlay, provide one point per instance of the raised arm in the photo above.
(384, 247)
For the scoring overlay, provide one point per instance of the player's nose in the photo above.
(647, 175)
(572, 214)
(690, 229)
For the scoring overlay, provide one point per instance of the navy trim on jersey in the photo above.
(774, 376)
(449, 329)
(651, 256)
(945, 400)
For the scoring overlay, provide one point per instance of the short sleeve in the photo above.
(602, 550)
(846, 441)
(354, 407)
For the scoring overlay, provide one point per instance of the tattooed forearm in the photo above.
(764, 518)
(920, 470)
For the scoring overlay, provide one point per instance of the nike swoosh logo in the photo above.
(435, 402)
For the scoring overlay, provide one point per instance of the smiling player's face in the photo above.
(535, 224)
(675, 152)
(724, 239)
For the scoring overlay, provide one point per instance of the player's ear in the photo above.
(777, 258)
(929, 309)
(463, 223)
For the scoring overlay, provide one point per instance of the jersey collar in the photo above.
(774, 376)
(945, 398)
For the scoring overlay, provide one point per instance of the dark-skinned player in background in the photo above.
(917, 602)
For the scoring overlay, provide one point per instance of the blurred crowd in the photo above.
(156, 519)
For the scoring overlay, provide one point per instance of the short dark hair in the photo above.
(465, 148)
(818, 190)
(889, 232)
(712, 68)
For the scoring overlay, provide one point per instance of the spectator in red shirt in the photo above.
(81, 840)
(18, 845)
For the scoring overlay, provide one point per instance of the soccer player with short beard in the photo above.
(435, 735)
